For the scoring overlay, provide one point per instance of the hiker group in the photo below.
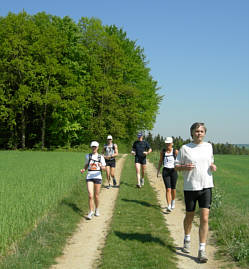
(194, 159)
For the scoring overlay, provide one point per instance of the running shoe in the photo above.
(202, 256)
(90, 215)
(138, 186)
(108, 186)
(97, 214)
(142, 181)
(186, 246)
(114, 182)
(168, 209)
(172, 204)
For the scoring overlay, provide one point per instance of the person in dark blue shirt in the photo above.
(140, 149)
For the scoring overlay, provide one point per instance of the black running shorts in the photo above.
(170, 177)
(94, 180)
(111, 163)
(141, 160)
(204, 198)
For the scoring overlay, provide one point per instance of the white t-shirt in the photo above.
(94, 167)
(168, 159)
(201, 155)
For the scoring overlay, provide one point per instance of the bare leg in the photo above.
(112, 172)
(173, 194)
(108, 174)
(187, 223)
(90, 189)
(143, 170)
(137, 165)
(96, 194)
(203, 231)
(168, 196)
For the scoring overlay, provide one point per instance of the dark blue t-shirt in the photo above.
(139, 147)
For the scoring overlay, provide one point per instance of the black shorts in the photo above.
(204, 198)
(111, 163)
(140, 159)
(94, 180)
(170, 177)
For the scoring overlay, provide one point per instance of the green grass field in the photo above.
(31, 184)
(43, 196)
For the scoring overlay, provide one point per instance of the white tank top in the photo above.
(169, 160)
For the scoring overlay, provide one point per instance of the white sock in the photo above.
(202, 246)
(187, 237)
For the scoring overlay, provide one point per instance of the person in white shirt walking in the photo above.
(167, 158)
(94, 164)
(197, 163)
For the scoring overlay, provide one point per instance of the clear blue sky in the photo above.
(198, 51)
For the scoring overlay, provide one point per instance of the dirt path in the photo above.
(85, 245)
(174, 222)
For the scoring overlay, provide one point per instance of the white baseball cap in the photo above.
(94, 144)
(168, 140)
(109, 137)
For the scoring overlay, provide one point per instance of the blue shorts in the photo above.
(94, 180)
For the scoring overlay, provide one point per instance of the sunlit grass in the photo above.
(138, 236)
(31, 184)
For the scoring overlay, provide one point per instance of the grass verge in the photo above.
(40, 247)
(138, 237)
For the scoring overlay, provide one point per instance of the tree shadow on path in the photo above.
(140, 237)
(144, 203)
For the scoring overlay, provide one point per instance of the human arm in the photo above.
(85, 166)
(213, 167)
(181, 164)
(184, 167)
(147, 152)
(160, 163)
(115, 151)
(102, 163)
(133, 150)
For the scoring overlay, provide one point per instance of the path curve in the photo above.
(84, 247)
(174, 222)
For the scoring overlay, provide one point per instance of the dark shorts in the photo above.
(204, 198)
(95, 180)
(170, 177)
(111, 163)
(140, 159)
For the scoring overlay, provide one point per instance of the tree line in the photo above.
(157, 144)
(64, 83)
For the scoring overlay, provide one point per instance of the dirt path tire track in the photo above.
(174, 222)
(84, 247)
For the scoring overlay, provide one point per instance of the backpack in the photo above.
(90, 159)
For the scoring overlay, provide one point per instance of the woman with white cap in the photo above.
(110, 151)
(167, 158)
(94, 164)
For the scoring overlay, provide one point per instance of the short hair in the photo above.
(195, 126)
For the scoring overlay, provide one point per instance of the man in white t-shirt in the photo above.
(94, 164)
(197, 163)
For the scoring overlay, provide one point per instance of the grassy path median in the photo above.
(138, 237)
